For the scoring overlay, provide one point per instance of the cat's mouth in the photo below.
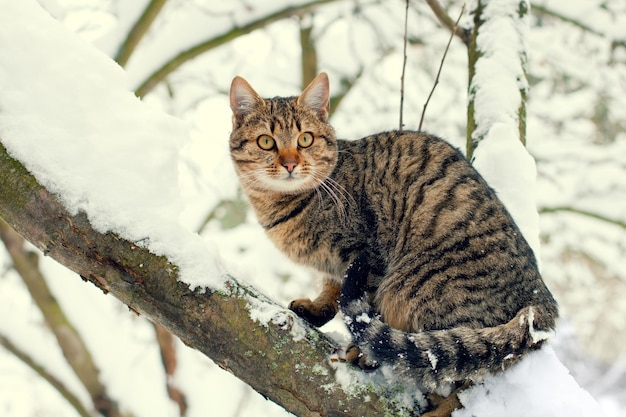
(289, 182)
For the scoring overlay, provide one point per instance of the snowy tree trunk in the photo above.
(282, 358)
(496, 125)
(498, 84)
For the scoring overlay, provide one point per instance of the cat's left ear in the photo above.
(317, 97)
(243, 98)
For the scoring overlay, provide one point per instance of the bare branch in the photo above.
(233, 33)
(70, 342)
(406, 27)
(443, 58)
(543, 10)
(168, 357)
(445, 19)
(345, 85)
(138, 31)
(48, 377)
(586, 213)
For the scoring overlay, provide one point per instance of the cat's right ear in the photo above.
(243, 99)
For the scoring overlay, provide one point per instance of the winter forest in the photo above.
(140, 283)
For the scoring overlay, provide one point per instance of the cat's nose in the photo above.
(290, 165)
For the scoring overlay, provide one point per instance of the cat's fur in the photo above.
(455, 290)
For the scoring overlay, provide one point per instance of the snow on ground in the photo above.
(77, 128)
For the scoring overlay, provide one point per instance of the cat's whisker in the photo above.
(252, 179)
(341, 190)
(337, 195)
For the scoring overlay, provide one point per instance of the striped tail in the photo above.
(438, 357)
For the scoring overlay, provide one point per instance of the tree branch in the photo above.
(586, 213)
(345, 85)
(168, 357)
(445, 19)
(443, 58)
(478, 49)
(138, 31)
(543, 10)
(48, 377)
(235, 32)
(70, 342)
(284, 360)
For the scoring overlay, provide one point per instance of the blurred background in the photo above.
(68, 350)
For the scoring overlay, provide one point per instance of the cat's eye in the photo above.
(266, 142)
(305, 140)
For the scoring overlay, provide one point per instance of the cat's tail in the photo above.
(435, 358)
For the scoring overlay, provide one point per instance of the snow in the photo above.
(266, 312)
(539, 386)
(499, 73)
(432, 358)
(510, 170)
(66, 112)
(80, 131)
(500, 156)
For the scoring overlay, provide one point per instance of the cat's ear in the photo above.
(243, 98)
(317, 97)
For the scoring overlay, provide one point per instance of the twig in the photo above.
(443, 58)
(406, 25)
(48, 377)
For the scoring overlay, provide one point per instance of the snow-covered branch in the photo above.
(274, 352)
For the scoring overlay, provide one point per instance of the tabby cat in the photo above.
(438, 280)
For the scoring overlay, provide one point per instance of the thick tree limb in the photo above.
(294, 372)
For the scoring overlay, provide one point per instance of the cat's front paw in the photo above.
(357, 358)
(315, 313)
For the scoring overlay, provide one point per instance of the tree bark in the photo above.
(295, 373)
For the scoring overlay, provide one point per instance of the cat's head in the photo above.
(281, 144)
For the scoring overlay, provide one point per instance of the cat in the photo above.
(437, 278)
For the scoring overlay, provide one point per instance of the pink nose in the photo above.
(290, 166)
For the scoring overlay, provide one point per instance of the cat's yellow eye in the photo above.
(305, 140)
(266, 142)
